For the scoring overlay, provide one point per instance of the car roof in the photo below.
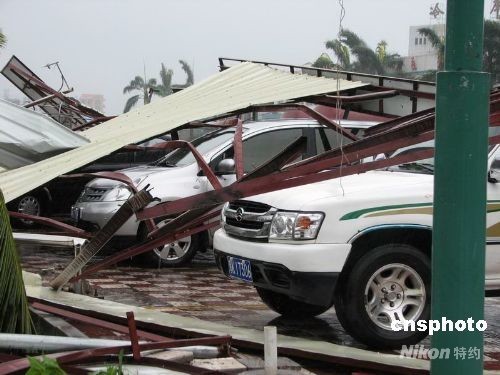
(260, 125)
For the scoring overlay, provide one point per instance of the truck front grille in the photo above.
(250, 220)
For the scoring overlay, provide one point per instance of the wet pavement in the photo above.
(200, 291)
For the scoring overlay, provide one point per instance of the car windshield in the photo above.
(426, 165)
(183, 156)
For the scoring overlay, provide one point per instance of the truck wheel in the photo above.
(288, 307)
(390, 283)
(174, 254)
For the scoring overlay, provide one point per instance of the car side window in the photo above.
(328, 139)
(261, 148)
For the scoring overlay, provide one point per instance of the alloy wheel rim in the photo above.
(174, 250)
(395, 292)
(29, 205)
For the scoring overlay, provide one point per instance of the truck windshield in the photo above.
(183, 156)
(427, 165)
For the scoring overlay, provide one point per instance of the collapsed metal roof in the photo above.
(27, 137)
(235, 88)
(65, 110)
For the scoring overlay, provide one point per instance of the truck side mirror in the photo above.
(225, 166)
(494, 171)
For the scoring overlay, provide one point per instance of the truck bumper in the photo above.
(287, 268)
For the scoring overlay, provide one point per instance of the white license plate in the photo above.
(240, 269)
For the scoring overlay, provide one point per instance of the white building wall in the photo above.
(422, 55)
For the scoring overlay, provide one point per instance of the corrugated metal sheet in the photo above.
(27, 137)
(238, 87)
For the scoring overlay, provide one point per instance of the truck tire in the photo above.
(390, 283)
(175, 254)
(288, 307)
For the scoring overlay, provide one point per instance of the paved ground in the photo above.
(200, 291)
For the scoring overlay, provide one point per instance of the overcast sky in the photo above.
(102, 44)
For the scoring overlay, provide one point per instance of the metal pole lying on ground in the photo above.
(270, 351)
(460, 189)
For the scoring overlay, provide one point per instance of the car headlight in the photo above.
(120, 193)
(295, 225)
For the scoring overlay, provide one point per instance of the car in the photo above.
(177, 175)
(361, 243)
(55, 198)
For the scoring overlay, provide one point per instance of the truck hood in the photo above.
(374, 183)
(140, 175)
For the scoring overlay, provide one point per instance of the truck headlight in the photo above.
(119, 193)
(295, 225)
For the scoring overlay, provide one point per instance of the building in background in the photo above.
(95, 101)
(422, 56)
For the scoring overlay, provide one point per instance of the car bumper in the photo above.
(94, 215)
(274, 267)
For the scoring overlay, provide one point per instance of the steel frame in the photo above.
(198, 209)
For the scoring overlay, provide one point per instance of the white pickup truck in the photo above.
(361, 243)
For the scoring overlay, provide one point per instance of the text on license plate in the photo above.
(240, 269)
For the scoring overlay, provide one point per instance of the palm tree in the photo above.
(491, 57)
(189, 73)
(3, 39)
(324, 61)
(165, 87)
(341, 51)
(437, 42)
(144, 86)
(377, 61)
(14, 312)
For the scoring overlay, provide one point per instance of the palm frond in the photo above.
(136, 84)
(341, 51)
(433, 37)
(130, 103)
(491, 54)
(394, 62)
(165, 88)
(3, 39)
(14, 312)
(368, 61)
(189, 72)
(351, 39)
(324, 61)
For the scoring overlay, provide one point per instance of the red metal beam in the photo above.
(65, 228)
(198, 157)
(238, 149)
(332, 100)
(95, 322)
(142, 248)
(134, 339)
(22, 364)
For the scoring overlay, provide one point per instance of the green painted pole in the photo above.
(458, 263)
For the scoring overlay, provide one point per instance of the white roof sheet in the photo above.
(235, 88)
(27, 137)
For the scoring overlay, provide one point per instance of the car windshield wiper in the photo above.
(418, 166)
(163, 163)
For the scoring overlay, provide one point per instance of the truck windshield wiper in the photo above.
(418, 166)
